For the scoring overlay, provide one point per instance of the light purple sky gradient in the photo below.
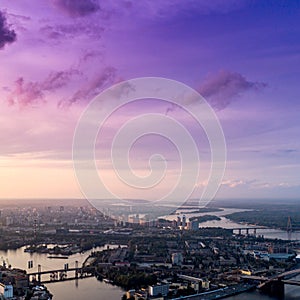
(242, 56)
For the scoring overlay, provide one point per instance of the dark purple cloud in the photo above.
(222, 88)
(7, 35)
(56, 80)
(77, 8)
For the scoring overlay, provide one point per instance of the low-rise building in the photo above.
(177, 258)
(6, 290)
(159, 289)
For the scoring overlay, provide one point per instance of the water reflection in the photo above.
(87, 288)
(81, 289)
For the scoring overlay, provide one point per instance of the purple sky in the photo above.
(242, 56)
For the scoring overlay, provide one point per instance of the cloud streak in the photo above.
(73, 30)
(170, 8)
(95, 85)
(222, 88)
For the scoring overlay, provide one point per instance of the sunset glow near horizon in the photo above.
(243, 57)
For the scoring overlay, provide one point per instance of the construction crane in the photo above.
(289, 228)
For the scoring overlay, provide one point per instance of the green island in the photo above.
(202, 219)
(200, 210)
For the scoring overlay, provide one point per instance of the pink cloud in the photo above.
(28, 93)
(25, 93)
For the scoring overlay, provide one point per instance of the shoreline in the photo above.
(221, 293)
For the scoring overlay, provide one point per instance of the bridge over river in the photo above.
(60, 274)
(274, 285)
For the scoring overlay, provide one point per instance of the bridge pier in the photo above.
(76, 267)
(39, 273)
(246, 230)
(274, 288)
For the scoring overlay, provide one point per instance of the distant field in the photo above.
(255, 203)
(6, 203)
(274, 217)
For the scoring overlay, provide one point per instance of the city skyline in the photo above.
(242, 56)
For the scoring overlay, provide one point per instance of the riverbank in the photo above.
(221, 293)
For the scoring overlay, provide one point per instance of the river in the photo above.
(226, 223)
